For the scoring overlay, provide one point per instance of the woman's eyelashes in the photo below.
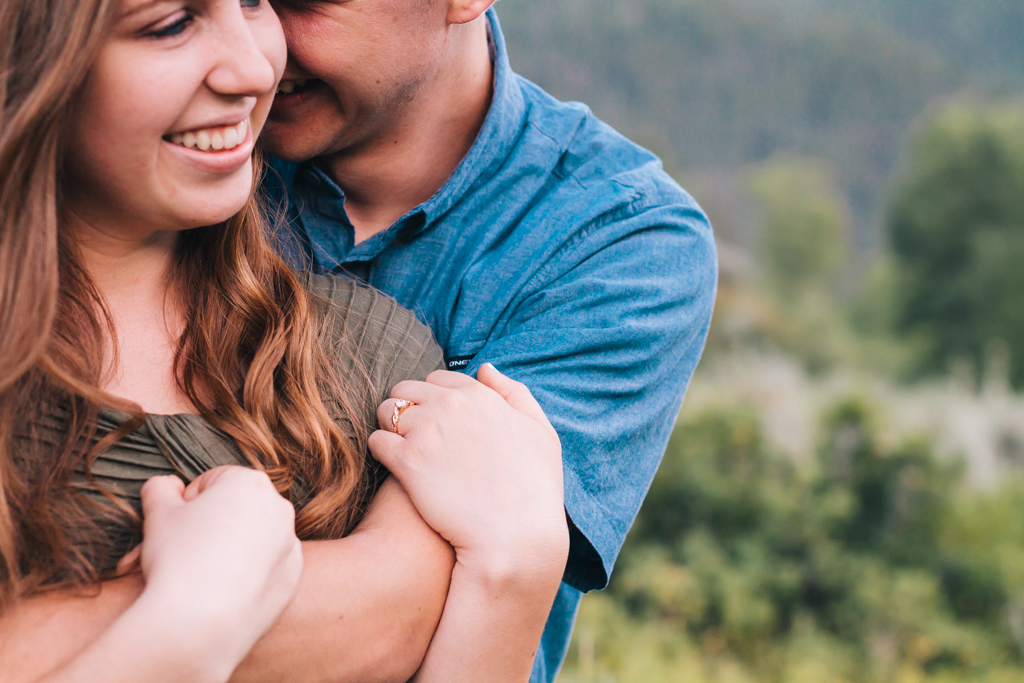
(185, 19)
(180, 22)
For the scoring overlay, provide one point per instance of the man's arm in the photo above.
(365, 610)
(606, 336)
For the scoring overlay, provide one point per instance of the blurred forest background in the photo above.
(843, 497)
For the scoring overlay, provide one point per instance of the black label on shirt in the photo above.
(459, 362)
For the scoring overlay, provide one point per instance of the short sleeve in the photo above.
(606, 339)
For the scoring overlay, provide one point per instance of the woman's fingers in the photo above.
(480, 462)
(386, 412)
(515, 393)
(130, 562)
(417, 392)
(449, 380)
(392, 451)
(203, 482)
(160, 493)
(442, 383)
(227, 559)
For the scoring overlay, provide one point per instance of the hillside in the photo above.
(714, 85)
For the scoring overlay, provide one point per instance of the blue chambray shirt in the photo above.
(563, 254)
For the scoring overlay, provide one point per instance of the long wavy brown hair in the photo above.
(252, 358)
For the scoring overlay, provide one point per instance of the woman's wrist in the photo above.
(497, 605)
(194, 639)
(154, 640)
(509, 567)
(178, 633)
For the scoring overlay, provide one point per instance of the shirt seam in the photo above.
(635, 207)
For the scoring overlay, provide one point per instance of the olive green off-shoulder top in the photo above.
(372, 334)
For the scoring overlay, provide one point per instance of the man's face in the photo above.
(358, 64)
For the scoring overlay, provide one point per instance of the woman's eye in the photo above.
(251, 3)
(174, 28)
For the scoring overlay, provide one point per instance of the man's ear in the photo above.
(465, 11)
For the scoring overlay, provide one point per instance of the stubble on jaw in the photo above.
(374, 121)
(389, 51)
(328, 132)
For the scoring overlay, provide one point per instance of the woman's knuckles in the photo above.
(406, 387)
(452, 404)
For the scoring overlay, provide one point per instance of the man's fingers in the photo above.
(392, 451)
(515, 393)
(159, 493)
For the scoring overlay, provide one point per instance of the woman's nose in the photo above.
(243, 64)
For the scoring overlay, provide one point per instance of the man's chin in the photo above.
(290, 142)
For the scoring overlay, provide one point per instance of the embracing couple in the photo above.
(216, 306)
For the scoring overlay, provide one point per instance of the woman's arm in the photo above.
(493, 621)
(220, 563)
(365, 610)
(483, 466)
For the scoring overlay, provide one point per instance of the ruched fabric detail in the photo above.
(369, 333)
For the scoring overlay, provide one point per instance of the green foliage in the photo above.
(957, 229)
(805, 216)
(874, 313)
(720, 84)
(872, 565)
(981, 34)
(793, 301)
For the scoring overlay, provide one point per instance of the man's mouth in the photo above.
(211, 139)
(287, 87)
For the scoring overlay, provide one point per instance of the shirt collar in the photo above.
(496, 139)
(494, 143)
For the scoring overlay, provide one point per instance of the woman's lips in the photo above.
(222, 160)
(212, 139)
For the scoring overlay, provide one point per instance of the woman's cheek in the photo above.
(258, 118)
(269, 36)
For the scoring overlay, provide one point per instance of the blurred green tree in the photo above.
(956, 223)
(805, 223)
(873, 565)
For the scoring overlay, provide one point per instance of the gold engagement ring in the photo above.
(401, 405)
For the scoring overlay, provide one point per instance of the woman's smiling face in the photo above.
(162, 135)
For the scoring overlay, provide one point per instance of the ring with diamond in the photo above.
(401, 405)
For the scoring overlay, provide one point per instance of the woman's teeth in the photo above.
(215, 139)
(288, 87)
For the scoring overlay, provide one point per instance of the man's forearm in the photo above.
(366, 609)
